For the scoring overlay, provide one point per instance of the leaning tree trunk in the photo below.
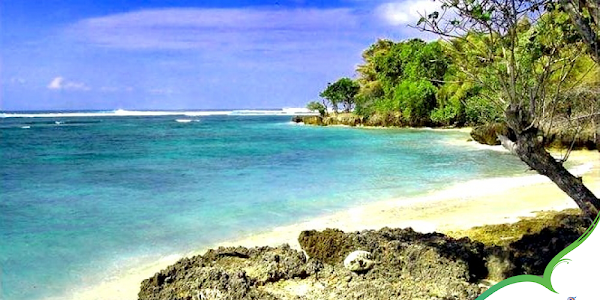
(531, 150)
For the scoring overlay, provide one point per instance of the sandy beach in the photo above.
(468, 204)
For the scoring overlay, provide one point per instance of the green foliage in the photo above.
(412, 60)
(421, 81)
(459, 82)
(445, 115)
(317, 106)
(401, 78)
(416, 100)
(366, 71)
(341, 92)
(479, 109)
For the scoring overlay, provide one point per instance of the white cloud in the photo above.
(17, 81)
(161, 91)
(230, 30)
(406, 12)
(109, 89)
(56, 83)
(113, 89)
(245, 39)
(59, 83)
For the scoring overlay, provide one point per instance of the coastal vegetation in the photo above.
(341, 92)
(460, 80)
(525, 69)
(316, 106)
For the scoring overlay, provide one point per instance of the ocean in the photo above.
(86, 195)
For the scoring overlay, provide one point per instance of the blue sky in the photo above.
(74, 55)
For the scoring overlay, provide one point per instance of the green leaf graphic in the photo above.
(546, 279)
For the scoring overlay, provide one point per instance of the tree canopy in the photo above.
(466, 69)
(316, 106)
(341, 92)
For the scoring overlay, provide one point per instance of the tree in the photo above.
(387, 65)
(585, 15)
(371, 89)
(316, 106)
(367, 70)
(524, 53)
(416, 100)
(341, 92)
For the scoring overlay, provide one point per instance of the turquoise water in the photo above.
(91, 194)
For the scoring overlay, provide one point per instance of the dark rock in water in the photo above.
(488, 134)
(375, 120)
(312, 120)
(343, 119)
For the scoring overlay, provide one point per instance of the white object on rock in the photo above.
(358, 261)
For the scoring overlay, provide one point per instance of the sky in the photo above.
(155, 54)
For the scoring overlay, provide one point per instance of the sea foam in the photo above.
(133, 113)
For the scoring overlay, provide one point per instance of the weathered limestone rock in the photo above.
(558, 137)
(359, 261)
(405, 265)
(488, 134)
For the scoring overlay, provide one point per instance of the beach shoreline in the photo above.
(465, 205)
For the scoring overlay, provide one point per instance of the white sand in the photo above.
(474, 203)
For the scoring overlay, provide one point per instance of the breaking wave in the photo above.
(122, 112)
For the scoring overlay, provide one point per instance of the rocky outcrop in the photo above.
(488, 134)
(558, 137)
(345, 119)
(348, 119)
(533, 252)
(403, 264)
(438, 262)
(309, 120)
(563, 137)
(385, 120)
(228, 273)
